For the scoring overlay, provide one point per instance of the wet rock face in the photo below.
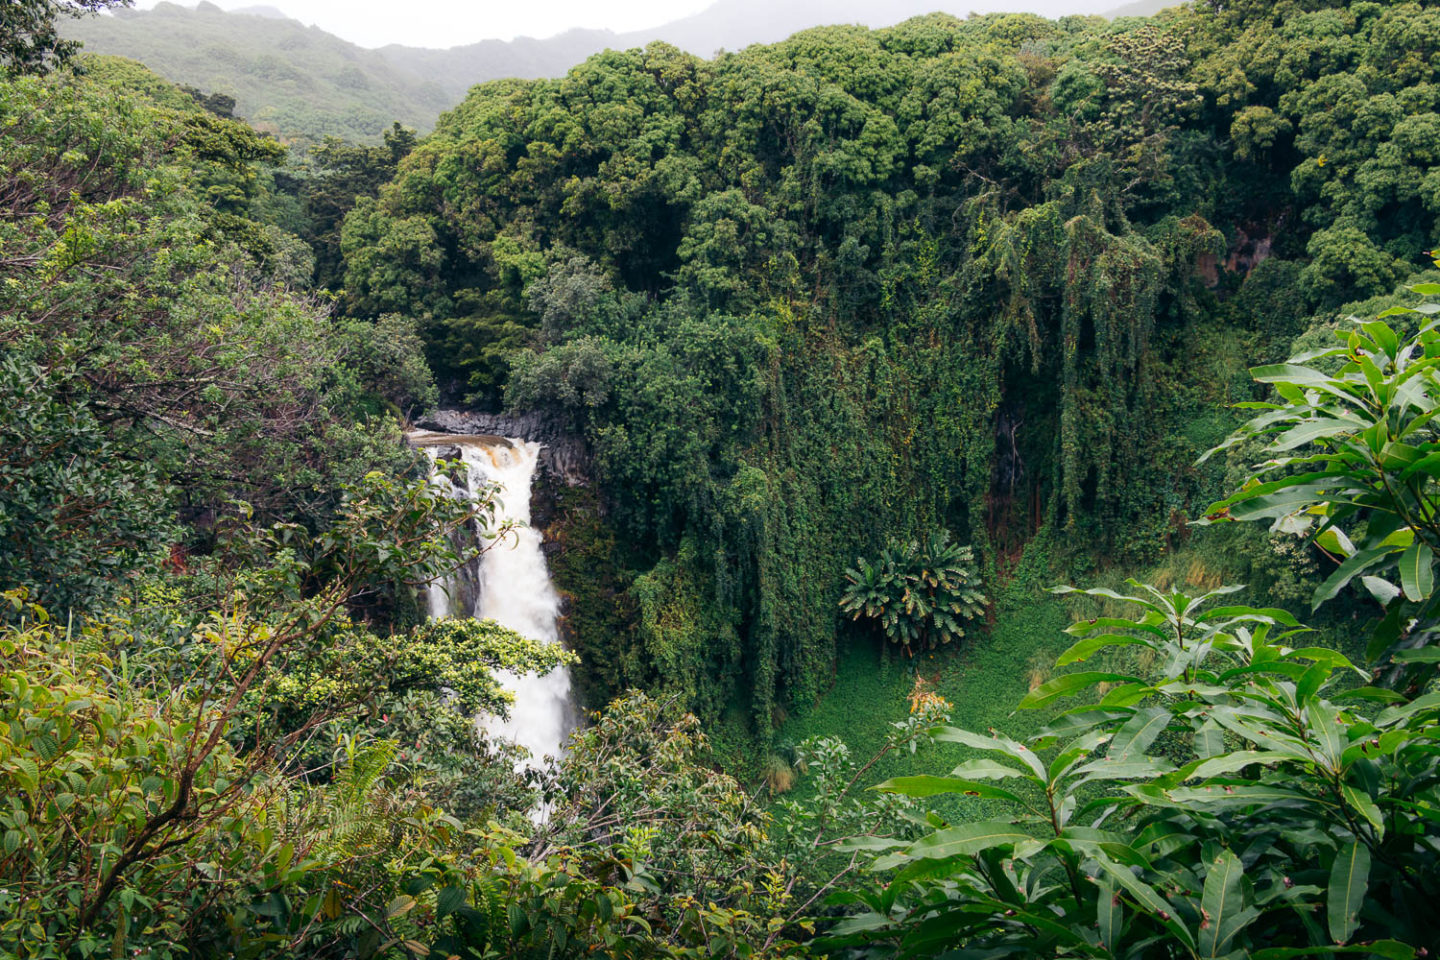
(565, 461)
(466, 579)
(564, 458)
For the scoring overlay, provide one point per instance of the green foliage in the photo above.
(339, 173)
(946, 275)
(918, 592)
(78, 508)
(1247, 789)
(1351, 465)
(148, 772)
(134, 279)
(993, 276)
(295, 82)
(29, 38)
(1204, 811)
(89, 770)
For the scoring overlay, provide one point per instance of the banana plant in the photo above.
(919, 593)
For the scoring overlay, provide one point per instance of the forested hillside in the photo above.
(303, 84)
(993, 276)
(296, 82)
(865, 346)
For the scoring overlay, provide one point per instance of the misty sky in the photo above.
(448, 23)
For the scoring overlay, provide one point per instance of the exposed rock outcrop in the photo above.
(564, 458)
(564, 462)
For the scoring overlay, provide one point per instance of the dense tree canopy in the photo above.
(863, 284)
(989, 282)
(29, 39)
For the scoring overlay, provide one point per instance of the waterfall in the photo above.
(511, 585)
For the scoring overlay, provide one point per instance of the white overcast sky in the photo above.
(448, 23)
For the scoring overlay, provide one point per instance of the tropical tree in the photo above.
(1354, 463)
(29, 40)
(1245, 801)
(921, 593)
(1250, 797)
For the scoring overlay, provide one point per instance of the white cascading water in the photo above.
(514, 588)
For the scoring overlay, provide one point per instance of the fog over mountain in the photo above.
(302, 83)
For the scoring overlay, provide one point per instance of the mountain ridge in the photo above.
(303, 83)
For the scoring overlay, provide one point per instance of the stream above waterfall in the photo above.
(509, 583)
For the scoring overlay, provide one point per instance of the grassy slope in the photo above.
(983, 680)
(987, 678)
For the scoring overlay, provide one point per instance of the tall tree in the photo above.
(29, 40)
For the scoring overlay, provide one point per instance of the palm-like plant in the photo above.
(920, 592)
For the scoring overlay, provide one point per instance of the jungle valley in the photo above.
(965, 489)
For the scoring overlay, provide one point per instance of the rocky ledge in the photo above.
(564, 458)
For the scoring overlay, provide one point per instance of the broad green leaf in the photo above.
(1209, 740)
(1089, 646)
(1106, 769)
(1283, 617)
(1071, 683)
(1365, 806)
(1230, 762)
(1349, 880)
(1313, 430)
(1372, 694)
(1105, 592)
(1428, 465)
(1389, 715)
(1417, 574)
(996, 742)
(1109, 915)
(928, 786)
(1134, 738)
(1334, 540)
(985, 769)
(1078, 720)
(1379, 331)
(1353, 566)
(969, 838)
(448, 900)
(1311, 681)
(1152, 625)
(1381, 589)
(1223, 905)
(1271, 506)
(1387, 632)
(1127, 695)
(1419, 655)
(1328, 733)
(1288, 373)
(1235, 795)
(1146, 898)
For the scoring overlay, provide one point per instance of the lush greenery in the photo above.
(802, 304)
(994, 276)
(919, 593)
(1223, 805)
(296, 82)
